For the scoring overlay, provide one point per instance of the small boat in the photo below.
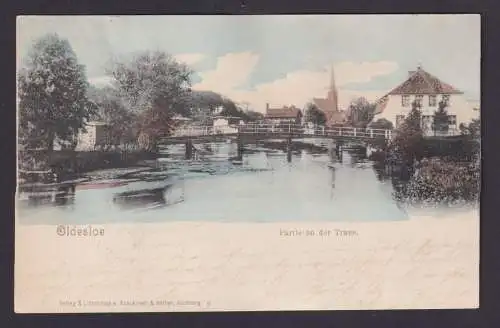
(143, 194)
(236, 162)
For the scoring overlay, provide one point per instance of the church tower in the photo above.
(332, 93)
(329, 105)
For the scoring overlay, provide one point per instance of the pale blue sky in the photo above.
(447, 46)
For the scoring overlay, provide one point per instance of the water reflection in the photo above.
(318, 184)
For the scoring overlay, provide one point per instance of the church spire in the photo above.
(332, 93)
(333, 87)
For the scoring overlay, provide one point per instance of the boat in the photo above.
(141, 193)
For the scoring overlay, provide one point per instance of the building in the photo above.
(427, 90)
(329, 105)
(96, 134)
(226, 124)
(283, 115)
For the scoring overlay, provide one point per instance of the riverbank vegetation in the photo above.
(436, 169)
(147, 91)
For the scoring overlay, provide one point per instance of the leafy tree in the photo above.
(361, 112)
(52, 91)
(408, 140)
(229, 108)
(253, 116)
(111, 110)
(441, 120)
(155, 87)
(315, 115)
(203, 104)
(472, 134)
(473, 129)
(382, 124)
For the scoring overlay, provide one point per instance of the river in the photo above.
(265, 187)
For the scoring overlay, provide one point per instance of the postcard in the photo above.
(247, 163)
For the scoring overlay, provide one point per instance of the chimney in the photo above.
(267, 107)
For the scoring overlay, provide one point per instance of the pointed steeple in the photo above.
(332, 93)
(333, 87)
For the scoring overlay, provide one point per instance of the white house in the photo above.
(96, 134)
(428, 90)
(226, 124)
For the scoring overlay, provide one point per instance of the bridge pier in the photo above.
(289, 149)
(189, 149)
(240, 148)
(331, 149)
(338, 150)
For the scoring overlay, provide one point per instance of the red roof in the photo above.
(284, 112)
(421, 82)
(323, 104)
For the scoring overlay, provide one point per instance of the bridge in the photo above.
(273, 131)
(252, 132)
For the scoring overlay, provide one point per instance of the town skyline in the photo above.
(243, 63)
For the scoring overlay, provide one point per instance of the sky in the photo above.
(280, 60)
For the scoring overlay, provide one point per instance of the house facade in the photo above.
(428, 91)
(96, 134)
(226, 124)
(329, 105)
(283, 115)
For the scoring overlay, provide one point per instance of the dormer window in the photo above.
(405, 101)
(432, 101)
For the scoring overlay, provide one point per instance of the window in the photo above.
(405, 101)
(452, 119)
(399, 120)
(432, 101)
(427, 122)
(446, 99)
(419, 99)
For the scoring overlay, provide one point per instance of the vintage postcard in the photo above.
(243, 163)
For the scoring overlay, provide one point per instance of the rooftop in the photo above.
(419, 82)
(422, 82)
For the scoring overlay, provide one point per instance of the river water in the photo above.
(264, 187)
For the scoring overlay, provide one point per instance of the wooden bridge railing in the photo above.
(290, 129)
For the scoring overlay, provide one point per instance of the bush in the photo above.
(440, 180)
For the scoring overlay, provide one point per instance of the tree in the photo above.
(111, 110)
(155, 87)
(253, 116)
(203, 104)
(473, 129)
(472, 137)
(206, 104)
(52, 91)
(315, 115)
(361, 112)
(382, 124)
(441, 120)
(408, 140)
(229, 108)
